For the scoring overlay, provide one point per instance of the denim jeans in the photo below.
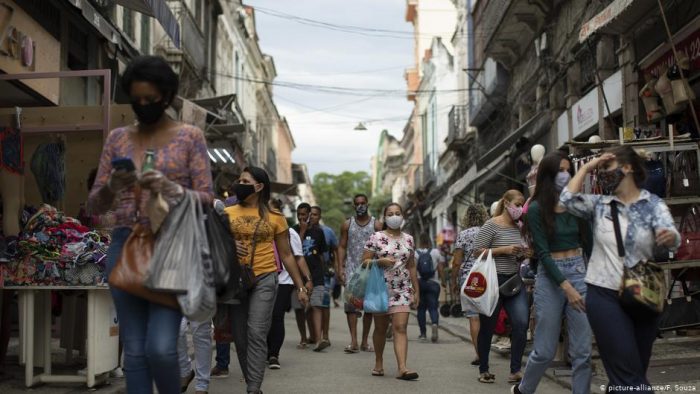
(550, 307)
(201, 339)
(149, 333)
(429, 295)
(519, 314)
(624, 338)
(251, 323)
(223, 355)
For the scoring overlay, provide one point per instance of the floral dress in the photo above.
(398, 278)
(465, 241)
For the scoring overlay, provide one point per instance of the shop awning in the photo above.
(624, 15)
(221, 156)
(158, 9)
(287, 189)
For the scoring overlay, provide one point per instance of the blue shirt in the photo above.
(639, 222)
(331, 242)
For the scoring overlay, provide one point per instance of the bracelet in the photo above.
(302, 290)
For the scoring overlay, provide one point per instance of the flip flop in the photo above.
(408, 376)
(376, 372)
(367, 349)
(350, 350)
(302, 345)
(321, 346)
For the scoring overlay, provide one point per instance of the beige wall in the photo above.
(47, 51)
(284, 155)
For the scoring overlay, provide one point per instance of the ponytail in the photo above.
(499, 208)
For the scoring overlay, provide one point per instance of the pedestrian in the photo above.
(645, 221)
(302, 314)
(314, 244)
(201, 339)
(148, 331)
(559, 285)
(463, 261)
(329, 265)
(285, 292)
(354, 234)
(501, 234)
(431, 273)
(256, 228)
(393, 250)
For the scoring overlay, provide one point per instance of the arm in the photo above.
(665, 229)
(290, 264)
(200, 168)
(342, 251)
(101, 196)
(541, 244)
(411, 265)
(441, 273)
(578, 204)
(457, 259)
(484, 240)
(305, 272)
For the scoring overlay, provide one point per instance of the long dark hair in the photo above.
(261, 176)
(546, 193)
(392, 204)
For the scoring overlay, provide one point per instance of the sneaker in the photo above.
(434, 333)
(219, 373)
(185, 381)
(422, 338)
(274, 363)
(117, 373)
(515, 389)
(515, 377)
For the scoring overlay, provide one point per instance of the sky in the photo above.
(322, 124)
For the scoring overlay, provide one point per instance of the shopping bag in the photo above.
(355, 290)
(376, 295)
(222, 246)
(199, 303)
(175, 248)
(479, 292)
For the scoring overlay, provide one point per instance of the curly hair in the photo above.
(475, 216)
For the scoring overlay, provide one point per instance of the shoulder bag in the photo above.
(643, 286)
(247, 280)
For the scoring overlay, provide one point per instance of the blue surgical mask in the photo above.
(561, 180)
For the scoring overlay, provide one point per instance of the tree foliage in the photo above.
(334, 195)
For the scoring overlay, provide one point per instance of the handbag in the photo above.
(680, 312)
(656, 178)
(685, 178)
(222, 245)
(511, 287)
(690, 235)
(643, 286)
(247, 280)
(130, 270)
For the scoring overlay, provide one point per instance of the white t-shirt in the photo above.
(437, 260)
(295, 241)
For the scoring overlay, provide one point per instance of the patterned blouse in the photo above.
(639, 222)
(465, 241)
(183, 160)
(398, 278)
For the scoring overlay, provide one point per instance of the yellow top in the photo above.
(243, 222)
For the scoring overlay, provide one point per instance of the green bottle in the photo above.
(149, 161)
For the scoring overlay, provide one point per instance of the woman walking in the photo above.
(502, 235)
(148, 331)
(256, 228)
(559, 286)
(393, 250)
(464, 259)
(644, 221)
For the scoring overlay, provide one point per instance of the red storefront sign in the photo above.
(689, 45)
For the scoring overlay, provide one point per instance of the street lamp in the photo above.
(360, 127)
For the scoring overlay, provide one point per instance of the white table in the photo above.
(35, 334)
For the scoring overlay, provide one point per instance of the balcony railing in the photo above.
(457, 124)
(192, 41)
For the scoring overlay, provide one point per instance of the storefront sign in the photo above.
(585, 112)
(603, 18)
(689, 45)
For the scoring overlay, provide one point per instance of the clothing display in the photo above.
(54, 249)
(49, 169)
(11, 151)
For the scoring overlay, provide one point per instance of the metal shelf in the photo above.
(682, 200)
(680, 264)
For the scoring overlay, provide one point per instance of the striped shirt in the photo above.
(493, 236)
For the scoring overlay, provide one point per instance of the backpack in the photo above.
(425, 265)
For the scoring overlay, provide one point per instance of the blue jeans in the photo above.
(149, 333)
(518, 314)
(550, 307)
(429, 295)
(624, 338)
(223, 355)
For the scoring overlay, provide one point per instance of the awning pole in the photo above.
(686, 85)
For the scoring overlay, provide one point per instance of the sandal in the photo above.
(302, 345)
(377, 372)
(351, 350)
(487, 378)
(407, 375)
(367, 348)
(515, 377)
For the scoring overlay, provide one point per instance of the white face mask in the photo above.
(394, 222)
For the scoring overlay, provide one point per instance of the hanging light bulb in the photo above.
(360, 127)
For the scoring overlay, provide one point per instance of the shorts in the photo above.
(467, 314)
(320, 297)
(11, 151)
(350, 309)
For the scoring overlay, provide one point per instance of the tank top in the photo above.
(357, 238)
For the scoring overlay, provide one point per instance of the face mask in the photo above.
(609, 180)
(562, 179)
(361, 210)
(394, 222)
(515, 212)
(148, 113)
(243, 191)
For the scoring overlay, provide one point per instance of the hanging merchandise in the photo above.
(680, 312)
(682, 92)
(651, 101)
(656, 177)
(665, 90)
(684, 180)
(690, 235)
(49, 169)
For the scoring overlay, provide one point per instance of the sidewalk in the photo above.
(675, 359)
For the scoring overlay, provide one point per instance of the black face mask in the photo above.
(243, 191)
(148, 113)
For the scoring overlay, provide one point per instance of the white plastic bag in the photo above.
(479, 292)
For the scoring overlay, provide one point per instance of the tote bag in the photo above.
(479, 292)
